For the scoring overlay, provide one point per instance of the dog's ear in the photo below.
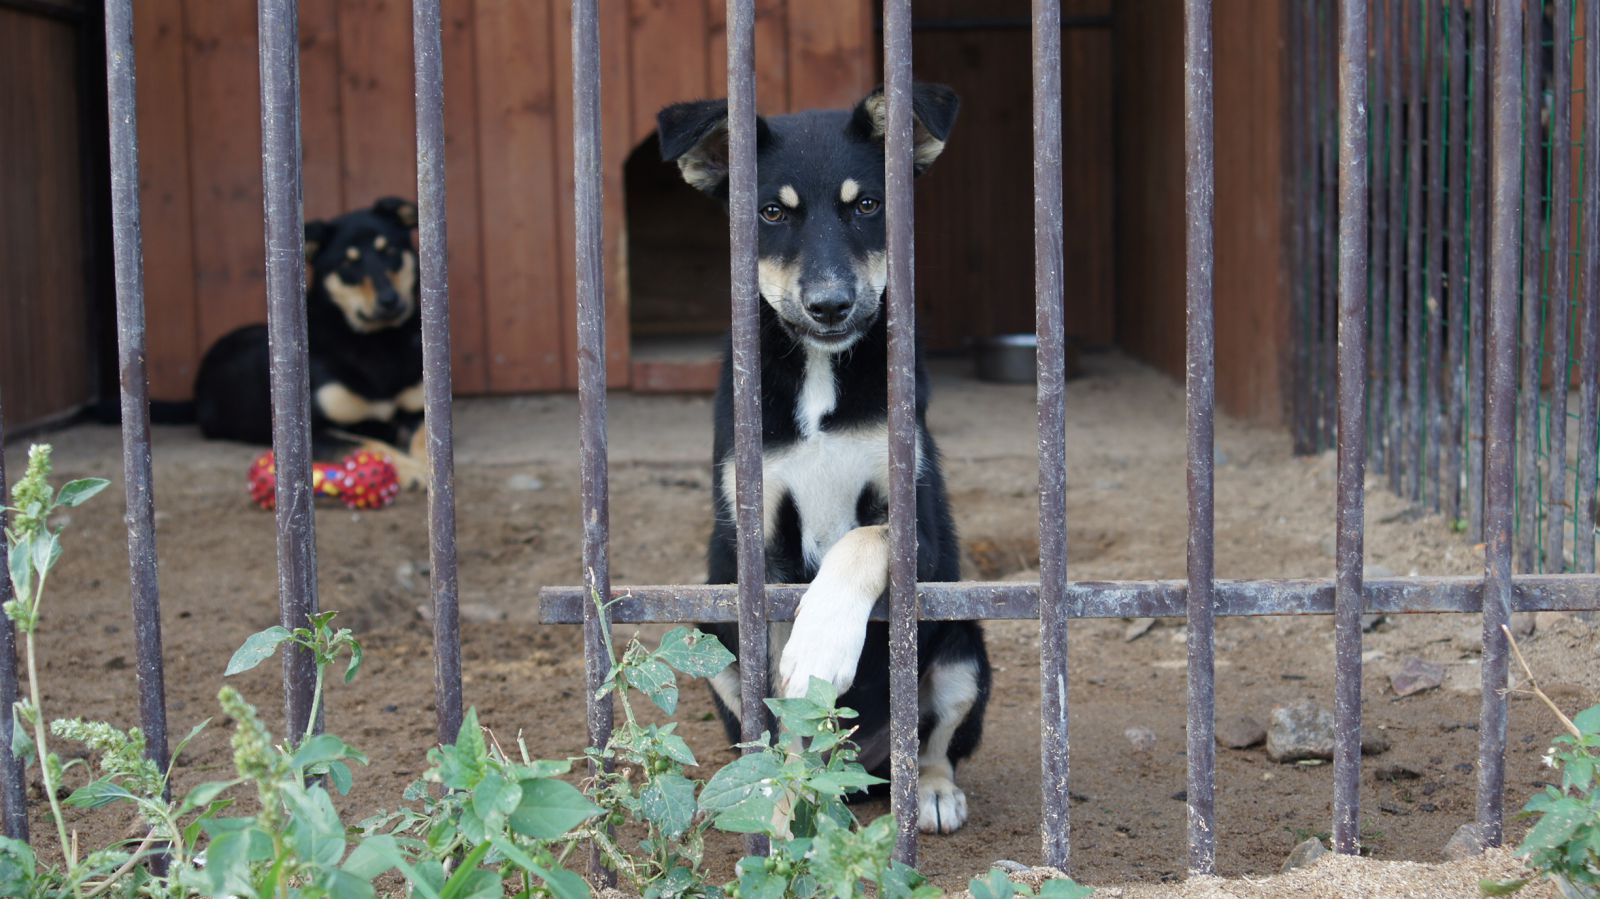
(317, 234)
(933, 115)
(695, 136)
(401, 212)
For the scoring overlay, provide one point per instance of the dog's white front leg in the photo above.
(830, 624)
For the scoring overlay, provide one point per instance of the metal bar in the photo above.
(1019, 600)
(1479, 282)
(1455, 295)
(1560, 285)
(138, 480)
(1352, 422)
(1589, 359)
(1411, 463)
(902, 429)
(1501, 398)
(1328, 363)
(286, 328)
(1527, 397)
(1394, 299)
(1200, 386)
(589, 268)
(13, 787)
(1048, 264)
(1377, 344)
(436, 381)
(1301, 237)
(1434, 474)
(753, 666)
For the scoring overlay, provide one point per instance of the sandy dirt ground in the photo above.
(519, 529)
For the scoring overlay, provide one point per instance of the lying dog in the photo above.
(824, 396)
(365, 346)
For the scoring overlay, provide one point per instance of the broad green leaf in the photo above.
(668, 803)
(1064, 889)
(756, 882)
(339, 773)
(656, 681)
(257, 649)
(341, 884)
(1557, 825)
(1500, 887)
(20, 563)
(694, 653)
(373, 857)
(76, 493)
(355, 662)
(550, 808)
(18, 867)
(314, 829)
(542, 768)
(563, 883)
(97, 793)
(853, 779)
(46, 551)
(673, 747)
(1588, 720)
(738, 780)
(202, 795)
(21, 742)
(494, 799)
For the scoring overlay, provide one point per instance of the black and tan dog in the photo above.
(365, 346)
(824, 397)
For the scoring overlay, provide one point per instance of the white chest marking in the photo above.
(819, 395)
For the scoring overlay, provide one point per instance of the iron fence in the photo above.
(1340, 415)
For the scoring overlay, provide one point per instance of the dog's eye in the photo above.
(772, 213)
(868, 206)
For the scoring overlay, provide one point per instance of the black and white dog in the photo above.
(824, 396)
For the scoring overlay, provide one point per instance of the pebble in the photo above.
(1137, 628)
(1142, 738)
(1304, 854)
(1240, 732)
(1416, 675)
(524, 482)
(1464, 843)
(405, 574)
(1301, 730)
(1392, 773)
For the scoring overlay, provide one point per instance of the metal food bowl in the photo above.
(1007, 358)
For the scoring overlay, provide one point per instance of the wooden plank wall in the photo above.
(508, 122)
(46, 344)
(1251, 265)
(975, 206)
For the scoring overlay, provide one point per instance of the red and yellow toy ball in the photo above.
(364, 480)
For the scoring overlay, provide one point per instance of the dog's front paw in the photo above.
(825, 642)
(941, 806)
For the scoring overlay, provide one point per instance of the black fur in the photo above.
(233, 389)
(822, 238)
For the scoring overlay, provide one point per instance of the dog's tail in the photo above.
(108, 410)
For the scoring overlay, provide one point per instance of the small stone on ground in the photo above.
(1240, 732)
(1416, 675)
(1304, 854)
(1464, 843)
(1137, 628)
(1142, 738)
(1300, 730)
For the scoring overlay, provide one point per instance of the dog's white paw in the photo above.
(941, 806)
(825, 642)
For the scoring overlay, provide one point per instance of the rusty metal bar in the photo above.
(590, 271)
(902, 429)
(1019, 600)
(1352, 422)
(138, 480)
(1478, 280)
(1560, 285)
(1589, 355)
(1434, 474)
(1377, 345)
(1048, 265)
(1456, 294)
(13, 786)
(286, 335)
(1411, 462)
(1200, 386)
(1327, 366)
(1500, 451)
(1527, 397)
(1394, 296)
(433, 243)
(753, 667)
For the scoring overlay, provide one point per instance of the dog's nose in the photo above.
(828, 306)
(389, 301)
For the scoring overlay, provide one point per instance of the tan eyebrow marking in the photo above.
(789, 196)
(849, 190)
(380, 242)
(352, 253)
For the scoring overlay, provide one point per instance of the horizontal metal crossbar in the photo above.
(974, 600)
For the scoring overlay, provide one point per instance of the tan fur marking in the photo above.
(777, 280)
(380, 242)
(352, 299)
(405, 278)
(352, 253)
(343, 406)
(789, 196)
(874, 270)
(849, 190)
(926, 147)
(706, 165)
(410, 399)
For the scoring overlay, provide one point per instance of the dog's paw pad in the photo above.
(941, 806)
